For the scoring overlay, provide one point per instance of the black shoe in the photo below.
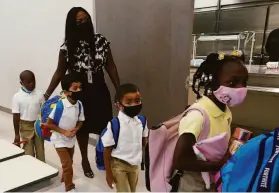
(89, 174)
(87, 169)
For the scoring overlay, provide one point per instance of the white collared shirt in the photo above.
(68, 121)
(129, 147)
(27, 104)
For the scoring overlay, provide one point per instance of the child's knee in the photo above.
(29, 148)
(67, 163)
(67, 166)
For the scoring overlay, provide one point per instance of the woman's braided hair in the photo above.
(208, 74)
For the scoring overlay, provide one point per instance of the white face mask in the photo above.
(231, 96)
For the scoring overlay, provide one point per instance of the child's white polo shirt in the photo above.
(68, 121)
(27, 104)
(129, 147)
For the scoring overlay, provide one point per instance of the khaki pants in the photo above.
(66, 159)
(125, 175)
(35, 144)
(193, 182)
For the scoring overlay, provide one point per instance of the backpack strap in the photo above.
(206, 122)
(79, 108)
(58, 112)
(143, 121)
(265, 181)
(203, 135)
(115, 128)
(259, 162)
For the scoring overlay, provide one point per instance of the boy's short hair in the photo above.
(24, 73)
(125, 89)
(68, 80)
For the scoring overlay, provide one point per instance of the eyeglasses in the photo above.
(84, 20)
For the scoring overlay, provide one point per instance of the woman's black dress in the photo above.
(96, 98)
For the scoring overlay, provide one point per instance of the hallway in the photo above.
(83, 184)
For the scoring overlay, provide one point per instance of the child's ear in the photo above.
(62, 93)
(117, 104)
(66, 93)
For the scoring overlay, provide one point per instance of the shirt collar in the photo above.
(22, 91)
(211, 107)
(125, 118)
(68, 104)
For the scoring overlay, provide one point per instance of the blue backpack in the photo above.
(46, 109)
(115, 128)
(254, 167)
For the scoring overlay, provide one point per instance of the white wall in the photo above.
(31, 32)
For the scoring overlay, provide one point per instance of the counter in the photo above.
(257, 70)
(261, 107)
(260, 76)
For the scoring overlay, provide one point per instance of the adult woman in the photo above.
(85, 54)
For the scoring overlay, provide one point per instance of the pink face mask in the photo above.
(230, 96)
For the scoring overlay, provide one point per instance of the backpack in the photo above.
(115, 128)
(162, 142)
(46, 109)
(254, 167)
(239, 137)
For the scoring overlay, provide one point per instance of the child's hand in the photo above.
(74, 131)
(225, 159)
(68, 133)
(17, 140)
(42, 102)
(110, 180)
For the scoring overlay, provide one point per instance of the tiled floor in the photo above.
(83, 184)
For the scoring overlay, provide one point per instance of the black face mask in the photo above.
(84, 32)
(132, 111)
(76, 95)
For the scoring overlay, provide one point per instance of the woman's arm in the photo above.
(58, 74)
(185, 159)
(112, 70)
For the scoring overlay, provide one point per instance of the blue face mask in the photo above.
(26, 90)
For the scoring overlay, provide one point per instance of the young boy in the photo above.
(64, 135)
(25, 109)
(122, 162)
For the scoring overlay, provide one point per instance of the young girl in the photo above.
(224, 80)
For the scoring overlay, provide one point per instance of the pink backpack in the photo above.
(162, 142)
